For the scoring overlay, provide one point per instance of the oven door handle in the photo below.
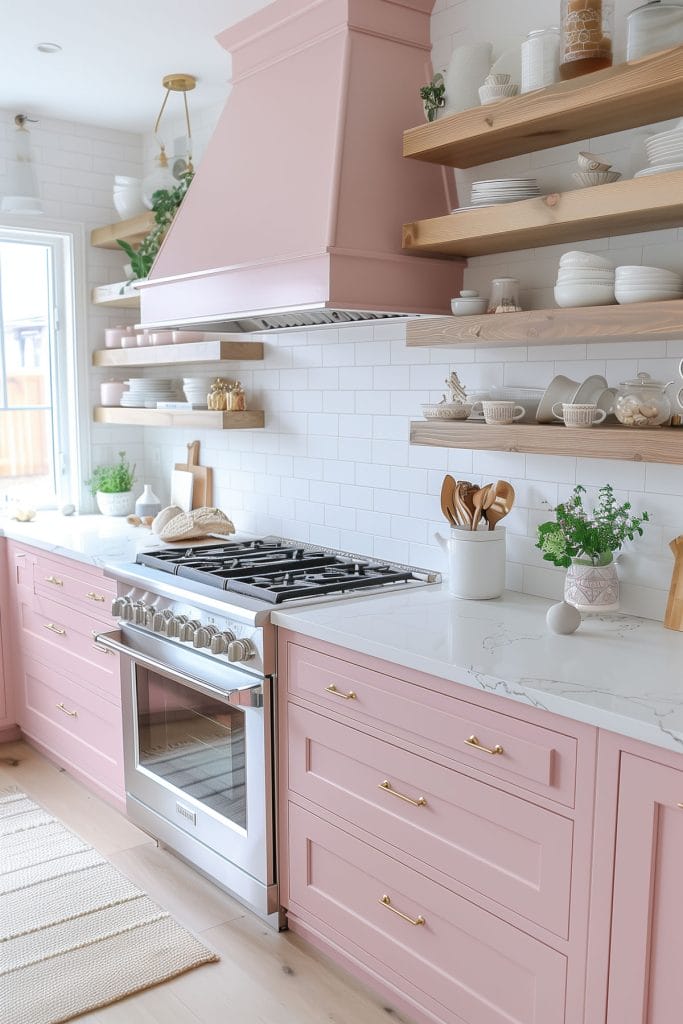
(249, 695)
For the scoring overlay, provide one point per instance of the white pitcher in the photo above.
(476, 562)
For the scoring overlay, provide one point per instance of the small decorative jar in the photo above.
(586, 41)
(469, 303)
(504, 297)
(642, 402)
(236, 398)
(654, 26)
(217, 398)
(540, 58)
(592, 588)
(147, 504)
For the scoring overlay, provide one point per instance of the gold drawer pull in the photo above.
(92, 595)
(337, 693)
(386, 902)
(680, 805)
(386, 786)
(54, 629)
(102, 650)
(71, 714)
(55, 580)
(474, 742)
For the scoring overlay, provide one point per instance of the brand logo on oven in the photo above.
(185, 812)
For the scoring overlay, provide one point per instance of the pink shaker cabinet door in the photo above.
(646, 969)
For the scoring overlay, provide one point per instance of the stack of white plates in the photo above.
(196, 389)
(664, 152)
(144, 393)
(584, 279)
(503, 190)
(647, 284)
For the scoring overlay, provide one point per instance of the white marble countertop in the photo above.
(94, 539)
(618, 672)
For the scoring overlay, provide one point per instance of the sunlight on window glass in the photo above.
(27, 469)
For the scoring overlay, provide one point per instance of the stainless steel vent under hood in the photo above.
(294, 216)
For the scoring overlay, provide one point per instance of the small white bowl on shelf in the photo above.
(446, 410)
(588, 179)
(578, 259)
(493, 93)
(469, 303)
(584, 294)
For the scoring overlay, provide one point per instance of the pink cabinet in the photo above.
(8, 728)
(645, 969)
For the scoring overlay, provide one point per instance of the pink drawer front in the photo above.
(79, 728)
(461, 963)
(499, 845)
(64, 639)
(529, 756)
(65, 581)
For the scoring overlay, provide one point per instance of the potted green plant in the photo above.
(112, 487)
(165, 203)
(433, 96)
(584, 542)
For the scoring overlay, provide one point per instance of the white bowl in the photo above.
(587, 179)
(126, 179)
(625, 296)
(648, 274)
(128, 205)
(585, 274)
(585, 259)
(468, 305)
(493, 93)
(568, 295)
(591, 162)
(446, 410)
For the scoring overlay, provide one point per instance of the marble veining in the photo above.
(96, 540)
(618, 672)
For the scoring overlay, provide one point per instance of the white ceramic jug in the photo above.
(468, 67)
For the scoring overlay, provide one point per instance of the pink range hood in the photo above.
(294, 216)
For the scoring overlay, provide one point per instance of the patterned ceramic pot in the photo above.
(120, 504)
(592, 588)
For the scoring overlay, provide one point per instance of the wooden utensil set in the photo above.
(466, 504)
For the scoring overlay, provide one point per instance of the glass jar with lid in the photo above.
(642, 402)
(504, 295)
(586, 41)
(655, 26)
(540, 58)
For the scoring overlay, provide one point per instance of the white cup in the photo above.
(501, 413)
(578, 414)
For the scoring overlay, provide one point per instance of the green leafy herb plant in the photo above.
(589, 538)
(116, 479)
(165, 203)
(433, 96)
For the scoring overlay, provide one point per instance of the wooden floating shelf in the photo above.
(111, 295)
(639, 204)
(131, 231)
(626, 96)
(663, 444)
(196, 352)
(208, 419)
(641, 321)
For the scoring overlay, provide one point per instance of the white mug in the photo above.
(502, 413)
(578, 414)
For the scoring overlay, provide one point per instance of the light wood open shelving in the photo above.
(131, 231)
(202, 418)
(662, 444)
(642, 321)
(625, 96)
(639, 204)
(119, 295)
(196, 352)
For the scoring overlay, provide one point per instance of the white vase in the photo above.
(592, 588)
(147, 504)
(120, 504)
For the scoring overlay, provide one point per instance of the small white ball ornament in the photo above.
(563, 618)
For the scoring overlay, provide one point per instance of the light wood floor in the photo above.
(262, 978)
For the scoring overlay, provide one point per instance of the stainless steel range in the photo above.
(198, 687)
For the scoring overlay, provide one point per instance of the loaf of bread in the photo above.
(190, 525)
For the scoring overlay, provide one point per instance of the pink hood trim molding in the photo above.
(294, 216)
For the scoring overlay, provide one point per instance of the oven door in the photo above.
(198, 755)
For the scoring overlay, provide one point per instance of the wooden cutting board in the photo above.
(673, 617)
(202, 491)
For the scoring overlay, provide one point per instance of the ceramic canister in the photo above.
(476, 563)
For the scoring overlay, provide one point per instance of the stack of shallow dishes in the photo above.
(144, 393)
(196, 390)
(584, 279)
(664, 152)
(647, 284)
(503, 190)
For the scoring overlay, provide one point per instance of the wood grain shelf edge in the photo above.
(202, 418)
(213, 351)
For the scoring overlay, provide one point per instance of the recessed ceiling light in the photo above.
(48, 47)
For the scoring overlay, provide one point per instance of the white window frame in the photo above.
(69, 366)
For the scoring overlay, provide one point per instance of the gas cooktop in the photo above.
(276, 570)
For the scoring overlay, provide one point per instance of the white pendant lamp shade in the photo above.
(21, 187)
(157, 179)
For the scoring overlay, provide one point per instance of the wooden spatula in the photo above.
(482, 499)
(502, 503)
(447, 499)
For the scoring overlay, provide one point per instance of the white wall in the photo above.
(334, 466)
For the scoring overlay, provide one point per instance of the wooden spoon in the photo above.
(482, 499)
(447, 499)
(502, 503)
(462, 510)
(467, 492)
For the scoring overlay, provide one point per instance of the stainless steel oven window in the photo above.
(193, 743)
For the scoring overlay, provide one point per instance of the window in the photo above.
(38, 427)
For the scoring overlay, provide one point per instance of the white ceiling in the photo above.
(113, 57)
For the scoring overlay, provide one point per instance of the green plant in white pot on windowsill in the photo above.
(112, 487)
(585, 544)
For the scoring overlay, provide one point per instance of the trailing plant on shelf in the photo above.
(590, 538)
(165, 203)
(112, 487)
(433, 96)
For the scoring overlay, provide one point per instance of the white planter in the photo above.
(476, 563)
(120, 504)
(592, 588)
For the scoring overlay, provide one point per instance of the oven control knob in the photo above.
(188, 630)
(139, 613)
(118, 605)
(160, 620)
(219, 643)
(241, 650)
(203, 636)
(150, 615)
(175, 624)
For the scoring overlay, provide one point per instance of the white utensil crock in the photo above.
(476, 563)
